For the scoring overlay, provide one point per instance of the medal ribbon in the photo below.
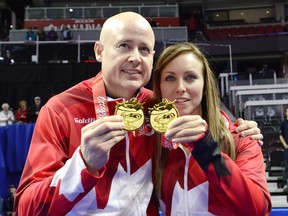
(168, 143)
(99, 96)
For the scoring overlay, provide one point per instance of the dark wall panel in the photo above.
(25, 81)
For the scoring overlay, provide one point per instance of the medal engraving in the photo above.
(162, 114)
(132, 113)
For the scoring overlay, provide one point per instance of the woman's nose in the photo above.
(180, 87)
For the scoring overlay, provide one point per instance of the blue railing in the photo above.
(14, 145)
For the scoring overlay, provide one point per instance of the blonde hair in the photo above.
(22, 102)
(210, 103)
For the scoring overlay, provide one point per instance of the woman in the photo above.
(213, 171)
(22, 112)
(6, 116)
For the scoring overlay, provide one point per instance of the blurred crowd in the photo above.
(22, 115)
(50, 35)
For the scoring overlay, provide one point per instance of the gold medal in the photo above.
(132, 113)
(162, 114)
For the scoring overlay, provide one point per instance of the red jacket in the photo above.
(55, 180)
(214, 184)
(22, 116)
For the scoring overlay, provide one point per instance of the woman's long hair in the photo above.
(210, 105)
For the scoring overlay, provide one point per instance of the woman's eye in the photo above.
(190, 77)
(169, 78)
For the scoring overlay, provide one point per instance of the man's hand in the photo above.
(246, 128)
(97, 139)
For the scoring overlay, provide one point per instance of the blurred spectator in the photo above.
(41, 34)
(30, 35)
(152, 22)
(192, 26)
(22, 112)
(8, 204)
(265, 72)
(6, 115)
(34, 109)
(52, 34)
(66, 33)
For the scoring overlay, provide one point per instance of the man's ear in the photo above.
(98, 51)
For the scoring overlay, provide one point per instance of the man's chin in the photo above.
(133, 85)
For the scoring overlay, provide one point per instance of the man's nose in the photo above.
(135, 56)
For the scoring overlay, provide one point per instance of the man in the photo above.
(30, 35)
(9, 202)
(99, 176)
(81, 160)
(66, 33)
(35, 109)
(283, 137)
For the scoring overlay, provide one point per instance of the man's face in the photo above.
(127, 58)
(37, 102)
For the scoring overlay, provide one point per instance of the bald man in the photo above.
(81, 160)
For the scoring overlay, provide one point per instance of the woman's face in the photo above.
(182, 80)
(23, 106)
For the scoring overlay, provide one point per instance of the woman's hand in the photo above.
(187, 128)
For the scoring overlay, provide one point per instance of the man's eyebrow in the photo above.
(126, 41)
(131, 41)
